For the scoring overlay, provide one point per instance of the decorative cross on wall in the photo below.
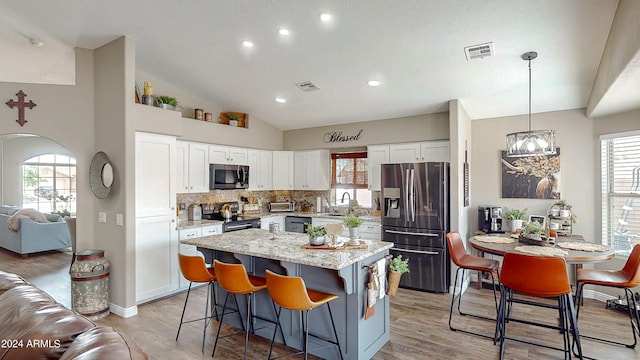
(21, 104)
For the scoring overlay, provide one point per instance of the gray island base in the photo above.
(340, 272)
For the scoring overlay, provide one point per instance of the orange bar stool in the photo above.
(543, 277)
(464, 262)
(195, 270)
(233, 278)
(626, 278)
(290, 292)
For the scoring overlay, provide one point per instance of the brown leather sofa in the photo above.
(34, 326)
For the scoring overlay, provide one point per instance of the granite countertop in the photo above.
(189, 224)
(286, 247)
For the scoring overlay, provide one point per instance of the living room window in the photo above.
(49, 184)
(620, 155)
(349, 178)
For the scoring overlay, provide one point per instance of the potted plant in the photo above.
(167, 102)
(353, 222)
(517, 217)
(532, 233)
(305, 205)
(397, 267)
(316, 234)
(233, 119)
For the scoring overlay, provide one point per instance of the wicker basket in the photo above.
(393, 280)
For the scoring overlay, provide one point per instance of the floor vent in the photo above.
(307, 86)
(479, 51)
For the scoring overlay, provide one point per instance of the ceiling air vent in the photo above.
(479, 51)
(307, 86)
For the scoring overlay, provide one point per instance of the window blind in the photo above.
(349, 170)
(621, 191)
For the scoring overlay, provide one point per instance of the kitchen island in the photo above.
(340, 272)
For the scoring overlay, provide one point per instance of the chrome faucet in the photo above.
(349, 203)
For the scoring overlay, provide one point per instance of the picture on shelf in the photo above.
(538, 218)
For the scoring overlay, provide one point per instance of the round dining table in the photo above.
(577, 258)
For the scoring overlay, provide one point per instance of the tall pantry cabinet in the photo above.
(156, 248)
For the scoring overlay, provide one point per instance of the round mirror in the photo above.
(107, 175)
(101, 175)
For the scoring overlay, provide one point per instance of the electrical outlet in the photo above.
(119, 220)
(102, 217)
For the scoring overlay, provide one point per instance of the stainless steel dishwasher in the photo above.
(296, 223)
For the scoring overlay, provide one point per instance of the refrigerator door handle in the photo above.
(406, 193)
(415, 251)
(410, 233)
(412, 197)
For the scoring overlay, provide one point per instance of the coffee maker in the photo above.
(490, 219)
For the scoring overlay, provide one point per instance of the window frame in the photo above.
(60, 198)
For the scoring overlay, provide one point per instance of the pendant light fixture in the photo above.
(532, 142)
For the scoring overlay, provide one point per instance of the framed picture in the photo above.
(531, 177)
(538, 218)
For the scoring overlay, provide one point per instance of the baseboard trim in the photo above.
(123, 312)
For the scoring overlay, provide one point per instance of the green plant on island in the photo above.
(352, 221)
(232, 117)
(316, 231)
(399, 264)
(167, 100)
(516, 214)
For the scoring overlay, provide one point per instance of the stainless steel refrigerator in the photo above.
(415, 217)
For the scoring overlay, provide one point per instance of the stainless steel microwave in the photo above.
(228, 177)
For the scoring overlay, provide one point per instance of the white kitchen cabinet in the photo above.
(376, 156)
(260, 169)
(208, 230)
(283, 173)
(192, 167)
(434, 151)
(156, 237)
(266, 220)
(220, 154)
(311, 169)
(419, 152)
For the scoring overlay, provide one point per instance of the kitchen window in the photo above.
(349, 178)
(49, 184)
(620, 156)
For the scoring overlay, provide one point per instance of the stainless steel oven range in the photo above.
(228, 212)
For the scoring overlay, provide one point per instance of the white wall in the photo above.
(64, 114)
(574, 137)
(388, 131)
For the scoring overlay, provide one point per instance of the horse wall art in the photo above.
(531, 177)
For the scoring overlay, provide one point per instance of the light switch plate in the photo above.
(102, 217)
(119, 220)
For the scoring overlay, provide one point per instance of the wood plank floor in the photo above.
(419, 328)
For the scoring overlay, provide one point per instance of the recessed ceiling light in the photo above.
(281, 100)
(247, 44)
(373, 83)
(324, 17)
(284, 32)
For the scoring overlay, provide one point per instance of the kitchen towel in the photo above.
(381, 267)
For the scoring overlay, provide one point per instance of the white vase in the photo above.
(233, 122)
(516, 224)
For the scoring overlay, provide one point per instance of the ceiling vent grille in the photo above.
(307, 86)
(479, 51)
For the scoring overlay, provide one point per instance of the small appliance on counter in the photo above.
(282, 206)
(490, 219)
(194, 212)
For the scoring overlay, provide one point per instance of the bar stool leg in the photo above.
(275, 331)
(224, 308)
(183, 310)
(335, 333)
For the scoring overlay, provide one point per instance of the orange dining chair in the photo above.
(464, 262)
(290, 292)
(543, 277)
(233, 278)
(626, 278)
(195, 270)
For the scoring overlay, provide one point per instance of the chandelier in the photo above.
(532, 142)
